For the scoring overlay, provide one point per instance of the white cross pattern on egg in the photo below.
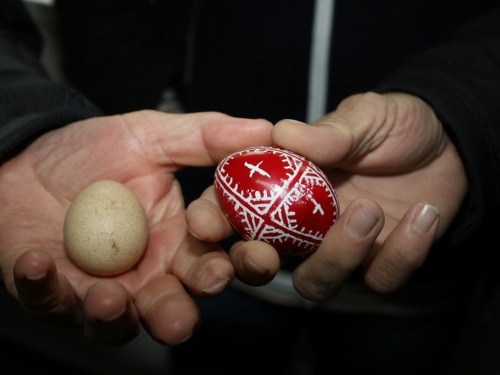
(282, 198)
(255, 168)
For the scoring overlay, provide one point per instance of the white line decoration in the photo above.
(255, 168)
(274, 195)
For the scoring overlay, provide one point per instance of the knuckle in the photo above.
(391, 271)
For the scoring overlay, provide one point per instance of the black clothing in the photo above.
(251, 59)
(257, 69)
(461, 81)
(30, 103)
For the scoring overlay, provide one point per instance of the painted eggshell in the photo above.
(276, 196)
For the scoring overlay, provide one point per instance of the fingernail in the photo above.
(195, 235)
(116, 316)
(246, 262)
(217, 288)
(295, 121)
(361, 223)
(180, 341)
(425, 219)
(37, 278)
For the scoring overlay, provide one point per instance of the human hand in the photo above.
(400, 183)
(142, 150)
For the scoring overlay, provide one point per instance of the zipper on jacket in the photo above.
(320, 60)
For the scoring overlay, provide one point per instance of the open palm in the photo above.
(142, 150)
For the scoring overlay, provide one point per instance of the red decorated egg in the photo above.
(276, 196)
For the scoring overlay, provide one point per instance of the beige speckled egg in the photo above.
(105, 229)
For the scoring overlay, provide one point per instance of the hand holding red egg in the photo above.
(399, 183)
(278, 197)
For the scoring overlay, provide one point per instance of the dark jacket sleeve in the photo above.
(122, 54)
(30, 102)
(460, 79)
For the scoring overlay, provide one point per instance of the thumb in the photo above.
(357, 126)
(204, 138)
(368, 132)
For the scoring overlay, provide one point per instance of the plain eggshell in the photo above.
(105, 229)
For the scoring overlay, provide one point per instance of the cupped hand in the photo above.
(143, 150)
(400, 182)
